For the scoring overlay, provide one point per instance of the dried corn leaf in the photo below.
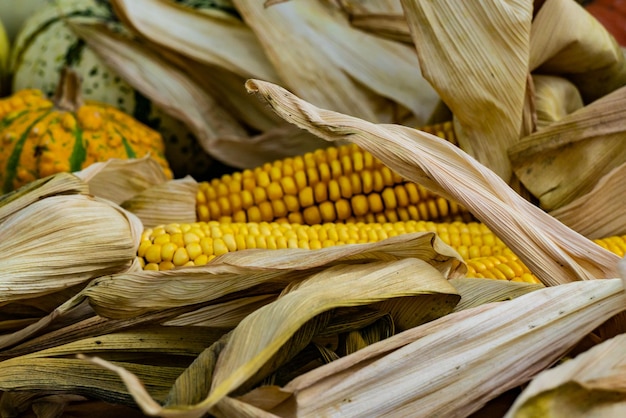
(154, 339)
(591, 385)
(275, 324)
(254, 272)
(119, 180)
(165, 203)
(222, 315)
(475, 54)
(567, 40)
(276, 143)
(466, 358)
(53, 234)
(555, 165)
(229, 88)
(77, 376)
(277, 139)
(598, 214)
(553, 252)
(57, 184)
(321, 57)
(165, 84)
(393, 27)
(380, 18)
(234, 408)
(215, 38)
(555, 97)
(73, 309)
(476, 292)
(158, 353)
(353, 7)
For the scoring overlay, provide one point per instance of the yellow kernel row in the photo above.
(177, 245)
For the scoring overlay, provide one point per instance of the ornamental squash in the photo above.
(40, 137)
(45, 44)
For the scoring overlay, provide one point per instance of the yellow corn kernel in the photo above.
(181, 257)
(153, 254)
(167, 251)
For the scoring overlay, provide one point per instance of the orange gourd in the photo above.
(40, 137)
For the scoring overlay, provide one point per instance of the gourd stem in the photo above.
(68, 95)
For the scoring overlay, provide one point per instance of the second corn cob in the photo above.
(335, 184)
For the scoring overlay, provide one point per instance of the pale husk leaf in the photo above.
(381, 18)
(216, 38)
(234, 408)
(127, 295)
(555, 97)
(167, 85)
(599, 213)
(591, 385)
(229, 88)
(118, 180)
(552, 251)
(581, 49)
(223, 315)
(475, 292)
(489, 41)
(57, 184)
(276, 143)
(321, 57)
(387, 26)
(554, 164)
(56, 232)
(466, 358)
(169, 202)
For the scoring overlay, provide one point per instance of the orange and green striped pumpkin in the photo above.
(40, 137)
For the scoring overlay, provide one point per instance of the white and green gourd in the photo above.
(45, 44)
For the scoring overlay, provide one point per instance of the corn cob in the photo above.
(335, 184)
(169, 246)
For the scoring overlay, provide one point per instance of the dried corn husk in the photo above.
(223, 315)
(380, 18)
(552, 251)
(216, 38)
(273, 325)
(321, 57)
(149, 352)
(555, 165)
(475, 54)
(169, 202)
(476, 292)
(599, 213)
(119, 180)
(581, 49)
(46, 238)
(555, 97)
(591, 385)
(466, 358)
(314, 298)
(59, 184)
(506, 344)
